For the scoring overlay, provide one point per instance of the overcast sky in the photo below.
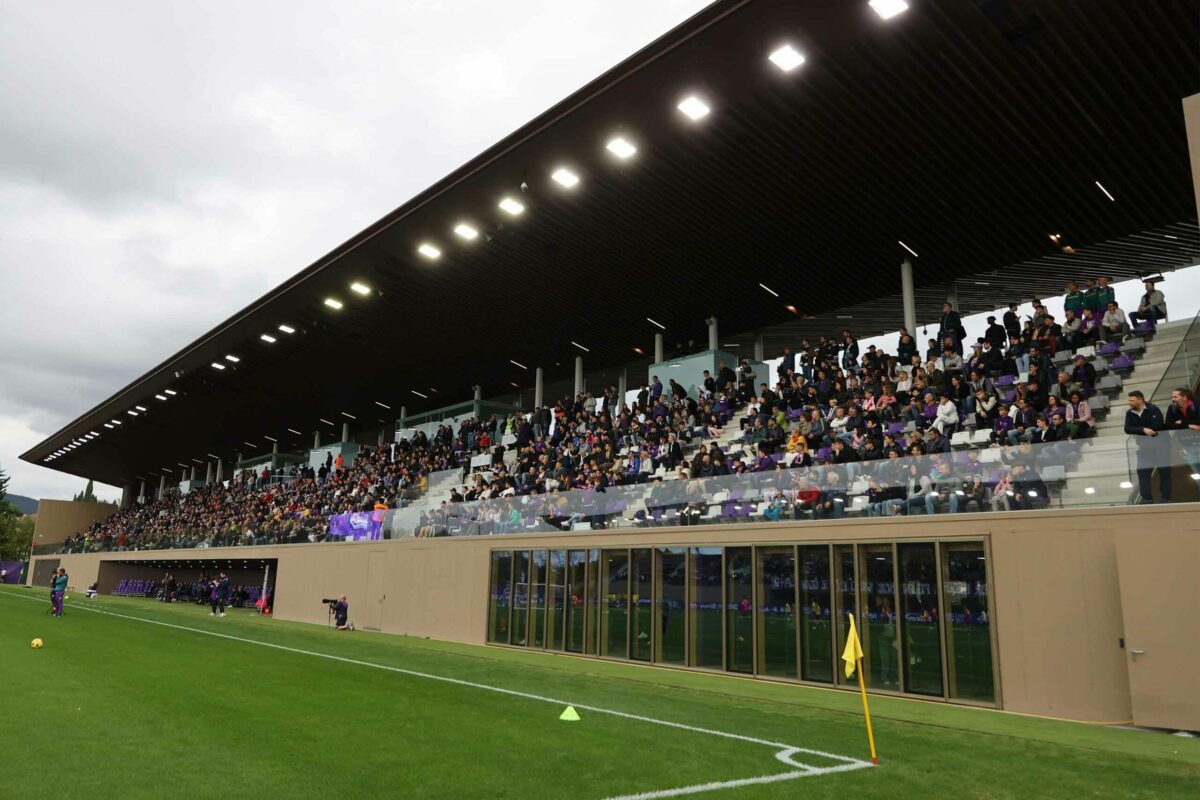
(162, 163)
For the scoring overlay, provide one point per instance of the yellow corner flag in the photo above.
(853, 655)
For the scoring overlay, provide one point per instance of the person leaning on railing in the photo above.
(1145, 421)
(1183, 420)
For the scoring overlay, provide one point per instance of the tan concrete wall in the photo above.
(1055, 596)
(1191, 121)
(59, 519)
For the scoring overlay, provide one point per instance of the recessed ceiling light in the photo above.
(333, 303)
(511, 207)
(160, 397)
(429, 251)
(792, 309)
(886, 9)
(787, 58)
(466, 231)
(216, 365)
(383, 405)
(517, 364)
(565, 177)
(581, 347)
(639, 351)
(132, 413)
(656, 322)
(268, 338)
(350, 416)
(1106, 193)
(693, 106)
(115, 421)
(418, 394)
(293, 430)
(210, 455)
(322, 419)
(909, 249)
(108, 424)
(234, 359)
(140, 408)
(361, 288)
(250, 444)
(621, 147)
(769, 289)
(169, 391)
(270, 438)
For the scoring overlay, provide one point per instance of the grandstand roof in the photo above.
(968, 130)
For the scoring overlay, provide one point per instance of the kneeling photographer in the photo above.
(340, 610)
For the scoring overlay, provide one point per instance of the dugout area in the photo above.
(145, 577)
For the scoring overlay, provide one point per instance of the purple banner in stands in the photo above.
(358, 525)
(10, 571)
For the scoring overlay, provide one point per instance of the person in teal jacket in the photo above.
(59, 589)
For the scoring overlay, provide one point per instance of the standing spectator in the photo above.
(995, 333)
(1151, 308)
(950, 327)
(1183, 420)
(1074, 300)
(1012, 322)
(1153, 451)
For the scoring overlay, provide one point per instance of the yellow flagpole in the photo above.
(866, 711)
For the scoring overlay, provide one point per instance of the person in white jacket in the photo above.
(946, 420)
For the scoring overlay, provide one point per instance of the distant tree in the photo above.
(7, 509)
(86, 496)
(16, 536)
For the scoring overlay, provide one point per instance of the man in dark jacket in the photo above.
(1145, 421)
(995, 333)
(950, 326)
(1012, 322)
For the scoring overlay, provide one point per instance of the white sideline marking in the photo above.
(784, 752)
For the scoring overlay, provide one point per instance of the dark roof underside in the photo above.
(968, 129)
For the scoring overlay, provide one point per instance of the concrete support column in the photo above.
(162, 484)
(539, 388)
(127, 495)
(382, 434)
(952, 295)
(478, 396)
(760, 349)
(274, 455)
(909, 295)
(220, 470)
(403, 415)
(208, 473)
(316, 440)
(192, 474)
(622, 387)
(578, 375)
(714, 342)
(141, 498)
(658, 348)
(345, 431)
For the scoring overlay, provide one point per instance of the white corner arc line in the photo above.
(784, 752)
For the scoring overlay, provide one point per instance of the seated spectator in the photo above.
(1114, 324)
(1151, 308)
(1084, 375)
(1079, 422)
(1072, 331)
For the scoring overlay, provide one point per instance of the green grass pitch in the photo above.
(124, 708)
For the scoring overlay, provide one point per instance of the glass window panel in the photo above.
(671, 644)
(919, 619)
(520, 615)
(591, 605)
(877, 587)
(537, 598)
(844, 595)
(777, 620)
(576, 600)
(556, 599)
(614, 624)
(706, 604)
(641, 606)
(739, 609)
(501, 596)
(816, 607)
(968, 622)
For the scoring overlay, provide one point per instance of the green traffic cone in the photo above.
(570, 715)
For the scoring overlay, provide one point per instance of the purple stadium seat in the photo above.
(1144, 328)
(1109, 349)
(1121, 364)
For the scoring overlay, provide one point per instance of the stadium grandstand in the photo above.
(798, 311)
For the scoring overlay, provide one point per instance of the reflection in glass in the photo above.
(641, 606)
(556, 599)
(816, 609)
(500, 596)
(881, 665)
(777, 622)
(576, 605)
(520, 615)
(706, 603)
(919, 619)
(614, 624)
(739, 609)
(670, 646)
(537, 598)
(844, 595)
(593, 596)
(968, 623)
